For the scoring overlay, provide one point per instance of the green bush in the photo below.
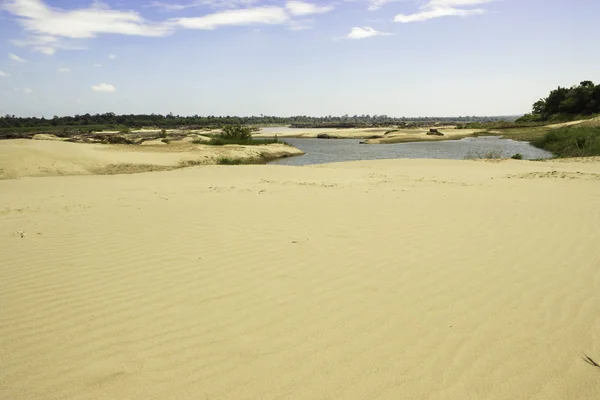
(230, 161)
(241, 135)
(571, 141)
(517, 156)
(237, 133)
(163, 134)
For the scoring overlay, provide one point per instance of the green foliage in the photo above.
(517, 156)
(112, 121)
(165, 140)
(231, 161)
(583, 99)
(573, 141)
(163, 134)
(502, 125)
(238, 134)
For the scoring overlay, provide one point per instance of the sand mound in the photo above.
(22, 158)
(403, 279)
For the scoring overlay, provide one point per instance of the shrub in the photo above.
(517, 156)
(494, 154)
(163, 134)
(571, 141)
(230, 161)
(237, 134)
(166, 141)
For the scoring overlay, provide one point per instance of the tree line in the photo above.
(567, 103)
(198, 122)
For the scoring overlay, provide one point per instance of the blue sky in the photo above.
(251, 57)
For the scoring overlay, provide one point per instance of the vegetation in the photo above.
(571, 141)
(494, 154)
(238, 134)
(110, 121)
(61, 129)
(517, 156)
(232, 161)
(563, 104)
(525, 134)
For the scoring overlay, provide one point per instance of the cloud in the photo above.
(377, 4)
(96, 65)
(47, 44)
(27, 90)
(301, 25)
(299, 8)
(247, 16)
(16, 58)
(104, 88)
(64, 70)
(112, 56)
(365, 32)
(4, 74)
(47, 24)
(49, 29)
(443, 8)
(203, 3)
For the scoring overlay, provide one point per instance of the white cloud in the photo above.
(301, 25)
(303, 8)
(4, 74)
(64, 70)
(104, 88)
(47, 44)
(247, 16)
(27, 90)
(203, 3)
(365, 32)
(443, 8)
(377, 4)
(16, 58)
(112, 56)
(47, 24)
(96, 65)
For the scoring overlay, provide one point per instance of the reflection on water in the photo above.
(320, 151)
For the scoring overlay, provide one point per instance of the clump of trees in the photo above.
(170, 121)
(238, 134)
(567, 103)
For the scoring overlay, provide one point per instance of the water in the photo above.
(320, 151)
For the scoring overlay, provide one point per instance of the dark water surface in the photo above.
(320, 151)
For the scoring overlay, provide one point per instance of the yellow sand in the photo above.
(21, 158)
(403, 279)
(394, 135)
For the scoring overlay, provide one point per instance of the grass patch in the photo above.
(571, 141)
(493, 154)
(234, 161)
(222, 141)
(519, 134)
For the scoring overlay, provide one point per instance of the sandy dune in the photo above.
(394, 135)
(20, 158)
(402, 279)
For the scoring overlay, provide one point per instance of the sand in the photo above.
(385, 135)
(401, 279)
(29, 158)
